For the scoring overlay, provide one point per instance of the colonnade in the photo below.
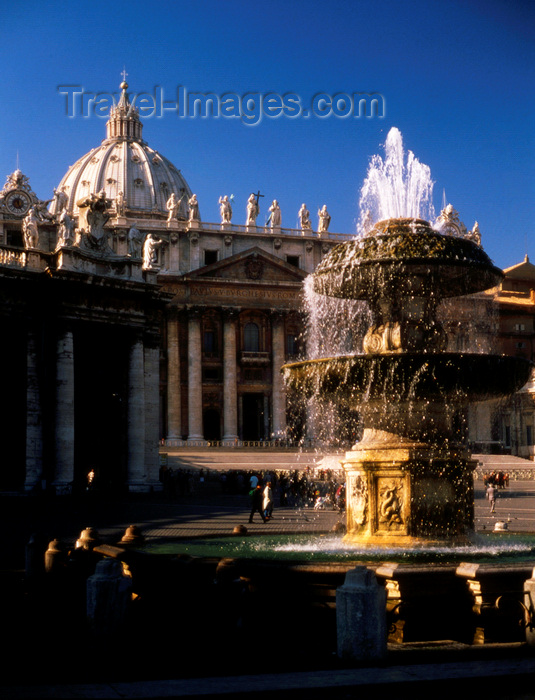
(142, 396)
(230, 407)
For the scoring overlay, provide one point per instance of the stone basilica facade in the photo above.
(130, 322)
(135, 322)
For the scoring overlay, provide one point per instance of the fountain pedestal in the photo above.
(408, 493)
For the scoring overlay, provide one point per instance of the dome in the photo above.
(124, 163)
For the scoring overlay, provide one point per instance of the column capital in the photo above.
(279, 315)
(230, 313)
(194, 311)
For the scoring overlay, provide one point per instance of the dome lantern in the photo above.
(124, 121)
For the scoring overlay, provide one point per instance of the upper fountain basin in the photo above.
(407, 257)
(410, 377)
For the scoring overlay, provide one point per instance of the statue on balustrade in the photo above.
(92, 220)
(304, 218)
(66, 230)
(30, 229)
(225, 209)
(150, 252)
(135, 242)
(324, 219)
(275, 215)
(253, 209)
(193, 208)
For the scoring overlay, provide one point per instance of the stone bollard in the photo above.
(55, 557)
(132, 535)
(529, 609)
(361, 617)
(88, 539)
(108, 596)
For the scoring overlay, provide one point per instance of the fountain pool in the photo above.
(485, 548)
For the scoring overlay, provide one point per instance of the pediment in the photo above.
(253, 264)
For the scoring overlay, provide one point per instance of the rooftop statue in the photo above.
(193, 208)
(475, 234)
(66, 230)
(61, 200)
(324, 219)
(173, 206)
(275, 215)
(253, 210)
(119, 204)
(449, 223)
(17, 180)
(92, 219)
(304, 218)
(30, 229)
(134, 242)
(225, 209)
(150, 251)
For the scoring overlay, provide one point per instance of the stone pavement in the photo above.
(415, 670)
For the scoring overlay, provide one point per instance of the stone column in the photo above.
(64, 427)
(230, 391)
(174, 417)
(279, 393)
(194, 250)
(152, 416)
(174, 252)
(194, 376)
(34, 428)
(136, 416)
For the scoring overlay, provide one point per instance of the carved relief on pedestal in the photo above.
(358, 498)
(390, 500)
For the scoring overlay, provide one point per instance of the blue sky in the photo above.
(456, 77)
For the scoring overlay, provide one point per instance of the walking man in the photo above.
(491, 495)
(257, 502)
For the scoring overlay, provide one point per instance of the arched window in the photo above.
(251, 338)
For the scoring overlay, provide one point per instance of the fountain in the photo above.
(409, 479)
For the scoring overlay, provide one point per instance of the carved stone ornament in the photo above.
(194, 237)
(390, 503)
(359, 499)
(277, 243)
(254, 268)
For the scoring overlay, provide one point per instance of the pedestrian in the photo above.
(257, 503)
(267, 503)
(491, 495)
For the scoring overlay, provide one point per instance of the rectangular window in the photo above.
(210, 343)
(529, 435)
(211, 374)
(507, 436)
(210, 256)
(291, 345)
(293, 260)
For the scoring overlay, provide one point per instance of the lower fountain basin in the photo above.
(410, 376)
(486, 548)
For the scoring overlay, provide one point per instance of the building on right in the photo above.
(501, 320)
(513, 424)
